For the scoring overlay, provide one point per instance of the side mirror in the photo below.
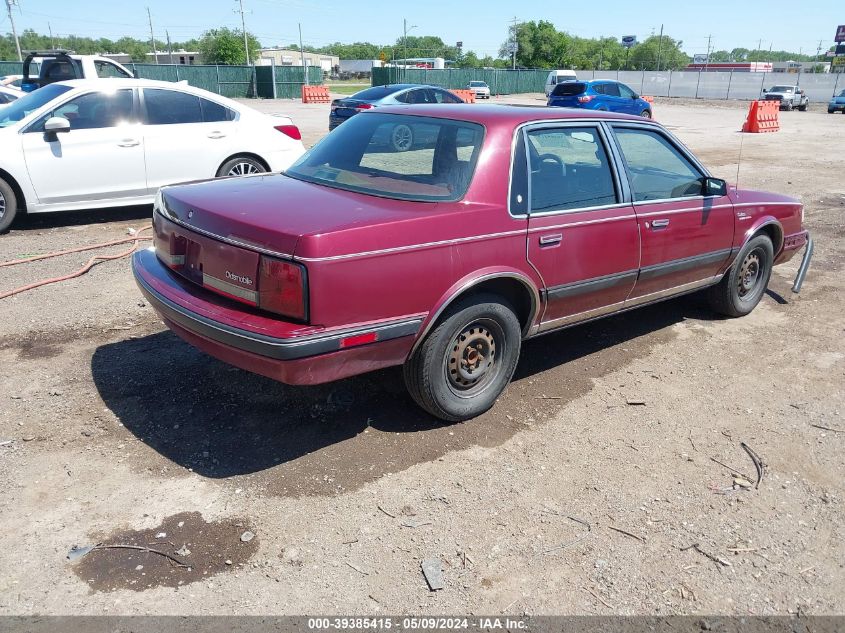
(56, 124)
(765, 90)
(714, 187)
(635, 96)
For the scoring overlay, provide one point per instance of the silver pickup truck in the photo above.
(789, 96)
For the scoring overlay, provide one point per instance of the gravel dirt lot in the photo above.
(564, 498)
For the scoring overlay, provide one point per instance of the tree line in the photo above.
(539, 45)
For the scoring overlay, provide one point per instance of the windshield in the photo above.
(395, 156)
(24, 106)
(478, 84)
(561, 78)
(842, 94)
(781, 89)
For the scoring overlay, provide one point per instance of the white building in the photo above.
(288, 57)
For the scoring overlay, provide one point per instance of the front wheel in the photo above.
(466, 362)
(8, 206)
(646, 114)
(803, 107)
(241, 166)
(743, 285)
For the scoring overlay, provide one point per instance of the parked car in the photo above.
(480, 89)
(789, 96)
(64, 65)
(11, 81)
(519, 221)
(7, 95)
(87, 144)
(600, 94)
(392, 94)
(837, 103)
(556, 77)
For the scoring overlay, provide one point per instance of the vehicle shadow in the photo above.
(221, 421)
(41, 221)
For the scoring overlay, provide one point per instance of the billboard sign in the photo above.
(699, 58)
(840, 33)
(629, 40)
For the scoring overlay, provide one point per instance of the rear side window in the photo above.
(169, 107)
(657, 170)
(569, 89)
(611, 90)
(213, 112)
(569, 169)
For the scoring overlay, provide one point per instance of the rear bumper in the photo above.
(307, 359)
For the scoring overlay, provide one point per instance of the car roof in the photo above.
(506, 115)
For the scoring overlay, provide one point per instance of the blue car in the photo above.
(393, 94)
(837, 103)
(599, 94)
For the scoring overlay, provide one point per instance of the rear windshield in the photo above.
(21, 108)
(568, 89)
(395, 156)
(378, 92)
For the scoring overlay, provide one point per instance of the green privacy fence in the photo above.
(234, 81)
(500, 81)
(229, 81)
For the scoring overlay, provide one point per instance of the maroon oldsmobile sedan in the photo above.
(493, 224)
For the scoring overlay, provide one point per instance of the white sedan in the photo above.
(88, 144)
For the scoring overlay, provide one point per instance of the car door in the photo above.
(627, 100)
(101, 157)
(686, 237)
(613, 99)
(186, 137)
(582, 236)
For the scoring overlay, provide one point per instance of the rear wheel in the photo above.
(241, 166)
(743, 285)
(8, 206)
(803, 107)
(466, 362)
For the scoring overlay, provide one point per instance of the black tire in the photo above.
(829, 111)
(803, 108)
(8, 206)
(788, 107)
(475, 330)
(646, 114)
(241, 166)
(744, 284)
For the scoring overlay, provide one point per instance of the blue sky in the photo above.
(482, 26)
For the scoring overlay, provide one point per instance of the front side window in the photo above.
(625, 91)
(92, 111)
(656, 168)
(170, 107)
(395, 156)
(569, 169)
(442, 96)
(106, 70)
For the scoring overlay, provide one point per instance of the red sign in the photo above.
(840, 33)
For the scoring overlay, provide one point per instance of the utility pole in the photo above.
(152, 37)
(302, 56)
(52, 41)
(659, 46)
(819, 50)
(514, 22)
(707, 59)
(9, 4)
(243, 28)
(169, 46)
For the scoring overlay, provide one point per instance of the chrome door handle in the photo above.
(659, 224)
(129, 142)
(548, 240)
(216, 135)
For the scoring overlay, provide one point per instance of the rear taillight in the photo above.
(283, 288)
(172, 250)
(364, 106)
(586, 98)
(290, 130)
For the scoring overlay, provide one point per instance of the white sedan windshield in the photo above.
(24, 106)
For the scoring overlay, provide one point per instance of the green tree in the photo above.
(226, 46)
(665, 51)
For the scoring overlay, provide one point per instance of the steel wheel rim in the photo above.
(244, 168)
(2, 204)
(401, 137)
(472, 360)
(750, 274)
